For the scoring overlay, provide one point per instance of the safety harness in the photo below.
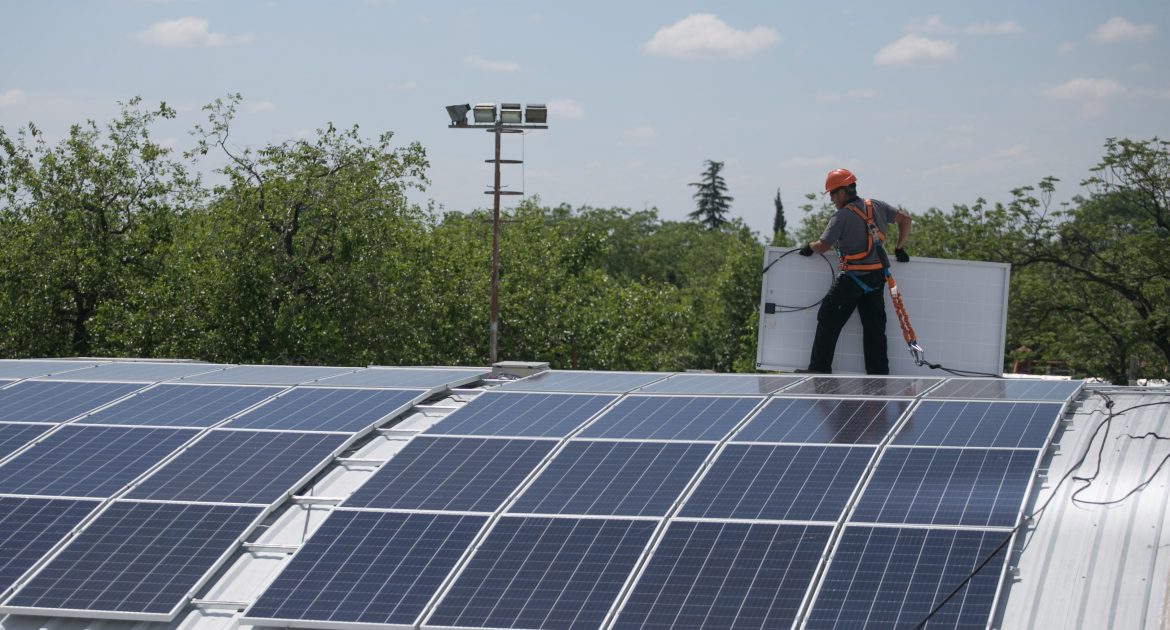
(876, 239)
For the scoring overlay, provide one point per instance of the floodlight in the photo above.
(458, 114)
(536, 114)
(485, 112)
(510, 113)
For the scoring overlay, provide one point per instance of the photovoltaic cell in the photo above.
(959, 423)
(15, 436)
(57, 401)
(369, 567)
(672, 417)
(868, 386)
(522, 415)
(89, 461)
(138, 371)
(182, 405)
(320, 409)
(545, 573)
(457, 474)
(823, 420)
(141, 558)
(268, 375)
(1007, 389)
(417, 378)
(24, 368)
(239, 467)
(893, 577)
(593, 382)
(613, 478)
(726, 575)
(719, 384)
(29, 528)
(968, 487)
(796, 483)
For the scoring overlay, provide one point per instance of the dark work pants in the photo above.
(844, 296)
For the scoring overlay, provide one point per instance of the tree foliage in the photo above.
(711, 199)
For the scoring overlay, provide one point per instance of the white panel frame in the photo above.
(958, 309)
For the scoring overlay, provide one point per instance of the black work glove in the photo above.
(806, 250)
(901, 255)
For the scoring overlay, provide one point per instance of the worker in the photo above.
(858, 231)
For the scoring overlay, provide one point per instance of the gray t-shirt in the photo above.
(847, 231)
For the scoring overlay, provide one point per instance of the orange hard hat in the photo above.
(837, 178)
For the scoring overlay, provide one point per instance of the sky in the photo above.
(930, 104)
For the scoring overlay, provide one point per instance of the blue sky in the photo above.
(929, 103)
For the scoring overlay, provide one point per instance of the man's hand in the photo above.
(808, 251)
(901, 255)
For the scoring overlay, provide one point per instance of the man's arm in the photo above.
(902, 220)
(819, 246)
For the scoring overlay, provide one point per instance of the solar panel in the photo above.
(726, 575)
(719, 384)
(182, 405)
(868, 386)
(25, 368)
(613, 478)
(141, 559)
(15, 436)
(947, 486)
(795, 483)
(672, 417)
(29, 528)
(418, 378)
(138, 371)
(268, 375)
(888, 577)
(57, 401)
(240, 467)
(322, 409)
(582, 382)
(88, 461)
(823, 420)
(1007, 389)
(368, 567)
(544, 572)
(959, 423)
(460, 474)
(522, 415)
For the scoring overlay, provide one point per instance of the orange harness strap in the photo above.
(847, 263)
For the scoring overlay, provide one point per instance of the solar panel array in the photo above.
(120, 493)
(567, 500)
(691, 504)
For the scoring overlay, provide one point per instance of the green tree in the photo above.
(83, 224)
(711, 198)
(779, 223)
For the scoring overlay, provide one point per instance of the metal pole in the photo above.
(495, 307)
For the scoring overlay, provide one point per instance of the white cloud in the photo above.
(851, 95)
(1119, 29)
(1065, 48)
(566, 108)
(15, 96)
(934, 25)
(916, 50)
(405, 86)
(492, 65)
(259, 107)
(188, 32)
(1082, 88)
(705, 36)
(1007, 27)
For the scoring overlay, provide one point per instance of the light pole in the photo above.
(509, 121)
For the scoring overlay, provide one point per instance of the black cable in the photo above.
(794, 309)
